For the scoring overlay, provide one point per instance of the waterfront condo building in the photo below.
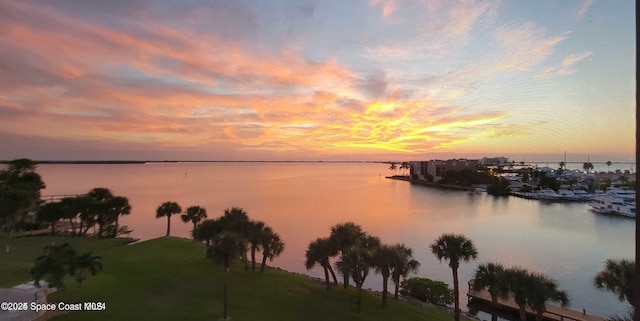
(435, 170)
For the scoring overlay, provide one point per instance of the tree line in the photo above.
(98, 209)
(233, 229)
(357, 254)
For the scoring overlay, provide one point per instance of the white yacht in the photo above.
(582, 195)
(626, 194)
(576, 195)
(548, 194)
(609, 204)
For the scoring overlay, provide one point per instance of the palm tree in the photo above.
(454, 248)
(608, 165)
(167, 209)
(86, 263)
(255, 229)
(83, 206)
(194, 214)
(117, 206)
(385, 258)
(405, 166)
(236, 219)
(544, 289)
(491, 277)
(393, 168)
(357, 260)
(343, 236)
(361, 256)
(405, 265)
(587, 167)
(54, 264)
(51, 213)
(319, 252)
(271, 246)
(208, 231)
(227, 247)
(519, 284)
(617, 276)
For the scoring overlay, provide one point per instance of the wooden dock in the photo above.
(56, 198)
(553, 312)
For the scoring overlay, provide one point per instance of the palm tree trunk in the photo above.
(326, 277)
(523, 313)
(397, 288)
(385, 281)
(168, 224)
(333, 275)
(73, 228)
(345, 280)
(194, 231)
(246, 260)
(264, 262)
(253, 257)
(456, 311)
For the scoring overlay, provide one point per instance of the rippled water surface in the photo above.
(301, 201)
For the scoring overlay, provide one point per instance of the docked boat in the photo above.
(609, 204)
(547, 194)
(574, 195)
(625, 194)
(582, 195)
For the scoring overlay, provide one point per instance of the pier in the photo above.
(55, 198)
(553, 312)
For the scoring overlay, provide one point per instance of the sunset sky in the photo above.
(317, 80)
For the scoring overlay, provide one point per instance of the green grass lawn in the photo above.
(17, 254)
(170, 279)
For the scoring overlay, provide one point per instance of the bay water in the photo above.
(301, 201)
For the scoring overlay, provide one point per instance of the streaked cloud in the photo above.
(565, 67)
(583, 10)
(232, 77)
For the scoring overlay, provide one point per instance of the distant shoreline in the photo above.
(118, 162)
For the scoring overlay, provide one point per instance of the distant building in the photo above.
(437, 169)
(494, 161)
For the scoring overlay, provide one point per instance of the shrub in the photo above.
(427, 290)
(499, 189)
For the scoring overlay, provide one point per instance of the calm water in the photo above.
(301, 201)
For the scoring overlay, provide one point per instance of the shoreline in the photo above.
(430, 184)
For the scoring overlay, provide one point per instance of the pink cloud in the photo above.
(388, 6)
(583, 10)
